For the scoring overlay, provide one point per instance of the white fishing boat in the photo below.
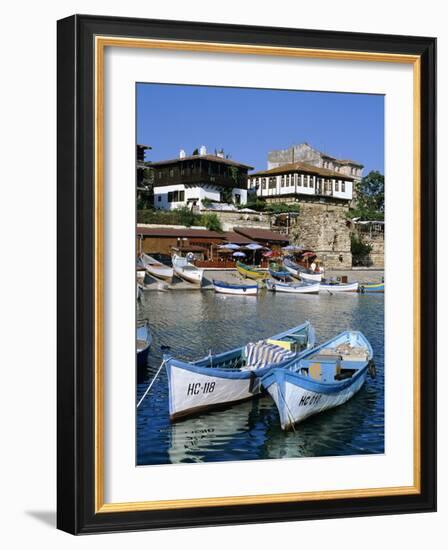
(301, 272)
(186, 270)
(293, 288)
(338, 287)
(226, 378)
(235, 289)
(156, 268)
(320, 379)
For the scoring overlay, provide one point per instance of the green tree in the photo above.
(186, 216)
(369, 197)
(211, 222)
(195, 152)
(360, 250)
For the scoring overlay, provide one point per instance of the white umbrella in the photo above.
(238, 254)
(230, 246)
(254, 246)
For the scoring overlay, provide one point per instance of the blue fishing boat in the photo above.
(236, 289)
(371, 287)
(233, 376)
(144, 340)
(276, 271)
(320, 379)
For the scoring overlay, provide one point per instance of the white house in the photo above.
(289, 182)
(188, 180)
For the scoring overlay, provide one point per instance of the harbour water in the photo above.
(192, 323)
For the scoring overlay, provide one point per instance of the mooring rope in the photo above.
(152, 382)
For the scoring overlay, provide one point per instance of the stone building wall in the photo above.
(376, 241)
(322, 227)
(241, 219)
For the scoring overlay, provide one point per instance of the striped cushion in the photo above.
(260, 354)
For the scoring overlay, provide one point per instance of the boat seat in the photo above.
(261, 354)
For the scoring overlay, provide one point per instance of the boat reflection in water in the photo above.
(221, 435)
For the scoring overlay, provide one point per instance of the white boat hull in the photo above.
(236, 291)
(307, 277)
(295, 403)
(295, 289)
(192, 392)
(348, 287)
(191, 276)
(310, 277)
(160, 272)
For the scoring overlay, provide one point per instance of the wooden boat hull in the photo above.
(144, 341)
(320, 379)
(343, 287)
(235, 290)
(303, 288)
(188, 272)
(371, 287)
(157, 269)
(202, 385)
(295, 402)
(300, 273)
(161, 272)
(250, 273)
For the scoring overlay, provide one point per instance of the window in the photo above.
(176, 196)
(159, 198)
(282, 181)
(305, 180)
(311, 181)
(237, 198)
(272, 183)
(343, 186)
(263, 183)
(171, 172)
(336, 186)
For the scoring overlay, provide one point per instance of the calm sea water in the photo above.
(192, 323)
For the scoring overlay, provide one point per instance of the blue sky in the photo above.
(247, 122)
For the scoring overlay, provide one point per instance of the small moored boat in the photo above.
(156, 268)
(144, 340)
(293, 288)
(371, 287)
(186, 270)
(338, 287)
(236, 289)
(320, 379)
(250, 272)
(301, 272)
(276, 272)
(226, 378)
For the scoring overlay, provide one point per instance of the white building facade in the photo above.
(171, 197)
(289, 182)
(190, 180)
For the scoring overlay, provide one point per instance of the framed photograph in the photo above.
(247, 274)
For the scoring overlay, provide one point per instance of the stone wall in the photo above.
(322, 227)
(376, 241)
(241, 219)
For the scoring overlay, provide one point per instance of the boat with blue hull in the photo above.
(144, 340)
(235, 289)
(223, 379)
(371, 287)
(320, 379)
(277, 272)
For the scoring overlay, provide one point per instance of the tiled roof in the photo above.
(213, 158)
(258, 234)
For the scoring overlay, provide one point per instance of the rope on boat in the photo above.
(150, 385)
